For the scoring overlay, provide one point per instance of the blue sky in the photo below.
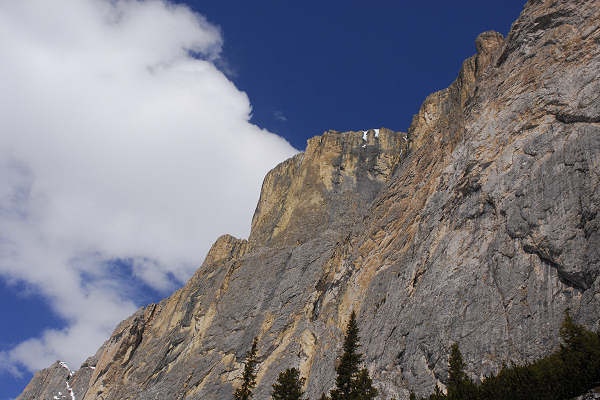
(304, 67)
(348, 65)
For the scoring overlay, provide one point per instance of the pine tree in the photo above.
(456, 366)
(347, 370)
(571, 334)
(363, 386)
(568, 372)
(437, 394)
(244, 392)
(323, 397)
(580, 356)
(288, 386)
(460, 386)
(352, 383)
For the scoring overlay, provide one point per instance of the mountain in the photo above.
(478, 226)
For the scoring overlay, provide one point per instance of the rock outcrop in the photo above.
(593, 394)
(479, 226)
(328, 186)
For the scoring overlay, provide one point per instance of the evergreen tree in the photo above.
(568, 372)
(244, 392)
(323, 397)
(352, 383)
(456, 366)
(363, 386)
(580, 356)
(460, 386)
(571, 334)
(347, 370)
(437, 394)
(288, 386)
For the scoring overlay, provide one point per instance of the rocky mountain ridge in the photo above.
(478, 226)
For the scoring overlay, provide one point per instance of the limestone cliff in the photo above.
(328, 186)
(479, 225)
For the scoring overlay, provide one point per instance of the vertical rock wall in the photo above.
(478, 226)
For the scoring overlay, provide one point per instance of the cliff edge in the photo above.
(479, 226)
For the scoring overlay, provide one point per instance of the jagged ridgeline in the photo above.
(478, 226)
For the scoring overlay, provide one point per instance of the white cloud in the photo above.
(280, 116)
(115, 143)
(8, 366)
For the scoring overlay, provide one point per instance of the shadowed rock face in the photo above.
(480, 228)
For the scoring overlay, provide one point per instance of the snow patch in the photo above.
(70, 390)
(376, 132)
(365, 135)
(64, 365)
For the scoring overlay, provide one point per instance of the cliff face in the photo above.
(328, 186)
(478, 226)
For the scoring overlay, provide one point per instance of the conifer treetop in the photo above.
(244, 392)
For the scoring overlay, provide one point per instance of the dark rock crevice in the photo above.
(579, 283)
(577, 118)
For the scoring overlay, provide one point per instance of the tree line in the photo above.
(570, 371)
(351, 383)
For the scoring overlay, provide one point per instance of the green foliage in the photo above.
(437, 394)
(363, 386)
(288, 385)
(456, 367)
(566, 373)
(347, 370)
(460, 386)
(244, 392)
(352, 383)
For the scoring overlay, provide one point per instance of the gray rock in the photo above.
(52, 383)
(479, 226)
(590, 395)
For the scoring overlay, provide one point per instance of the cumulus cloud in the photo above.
(121, 140)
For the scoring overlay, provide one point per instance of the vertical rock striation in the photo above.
(479, 226)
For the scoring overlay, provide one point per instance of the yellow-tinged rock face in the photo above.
(334, 179)
(479, 226)
(225, 248)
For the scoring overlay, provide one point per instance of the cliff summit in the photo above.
(478, 226)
